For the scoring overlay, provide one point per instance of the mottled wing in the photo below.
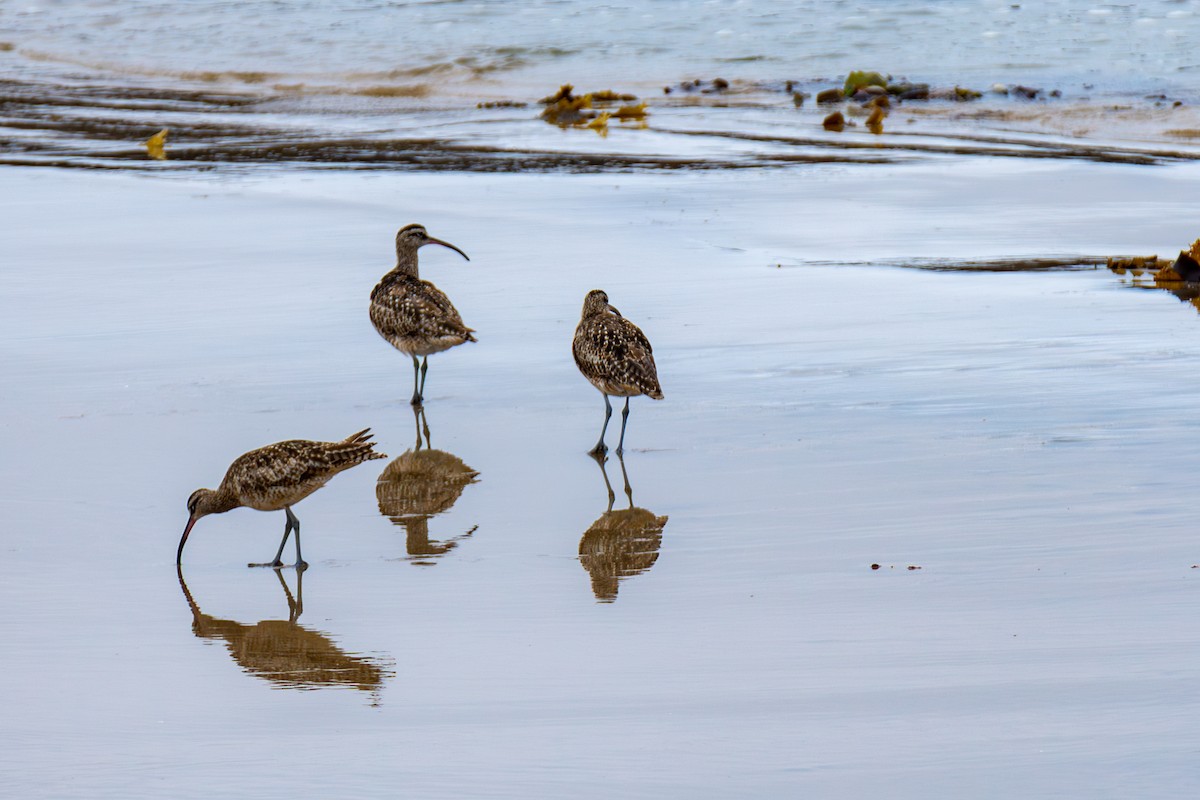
(616, 356)
(279, 472)
(643, 371)
(282, 466)
(415, 308)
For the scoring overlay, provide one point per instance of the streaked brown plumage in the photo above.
(277, 477)
(616, 357)
(286, 653)
(413, 315)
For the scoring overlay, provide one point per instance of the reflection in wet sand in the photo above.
(285, 653)
(620, 544)
(420, 484)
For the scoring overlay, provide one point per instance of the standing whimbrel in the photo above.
(415, 316)
(277, 477)
(616, 357)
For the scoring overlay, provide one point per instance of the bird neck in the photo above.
(221, 500)
(406, 264)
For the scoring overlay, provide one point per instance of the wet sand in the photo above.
(1023, 438)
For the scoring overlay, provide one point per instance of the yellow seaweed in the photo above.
(156, 146)
(600, 124)
(875, 120)
(861, 78)
(631, 112)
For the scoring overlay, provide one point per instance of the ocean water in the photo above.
(471, 46)
(399, 85)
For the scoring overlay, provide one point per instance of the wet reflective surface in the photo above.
(283, 652)
(1019, 435)
(621, 543)
(417, 486)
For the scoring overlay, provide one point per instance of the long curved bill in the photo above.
(432, 240)
(186, 531)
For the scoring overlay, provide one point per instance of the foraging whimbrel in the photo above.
(277, 477)
(616, 357)
(415, 316)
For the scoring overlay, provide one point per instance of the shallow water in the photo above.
(363, 84)
(1022, 438)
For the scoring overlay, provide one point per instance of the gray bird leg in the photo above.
(600, 448)
(424, 369)
(624, 419)
(287, 530)
(416, 398)
(300, 563)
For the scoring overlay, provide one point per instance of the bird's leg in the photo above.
(416, 398)
(425, 428)
(625, 475)
(600, 449)
(287, 529)
(624, 419)
(300, 563)
(424, 369)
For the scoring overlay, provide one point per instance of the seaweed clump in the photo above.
(1180, 277)
(156, 146)
(567, 109)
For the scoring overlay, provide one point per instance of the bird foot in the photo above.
(598, 451)
(417, 401)
(271, 564)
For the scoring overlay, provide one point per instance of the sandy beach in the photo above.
(1011, 449)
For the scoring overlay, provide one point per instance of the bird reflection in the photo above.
(285, 653)
(620, 544)
(418, 485)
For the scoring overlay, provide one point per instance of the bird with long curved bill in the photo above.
(275, 478)
(413, 315)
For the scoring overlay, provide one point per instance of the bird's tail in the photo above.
(357, 448)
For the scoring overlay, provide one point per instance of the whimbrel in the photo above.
(616, 357)
(277, 477)
(413, 315)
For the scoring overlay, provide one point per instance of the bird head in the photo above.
(596, 302)
(202, 503)
(412, 238)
